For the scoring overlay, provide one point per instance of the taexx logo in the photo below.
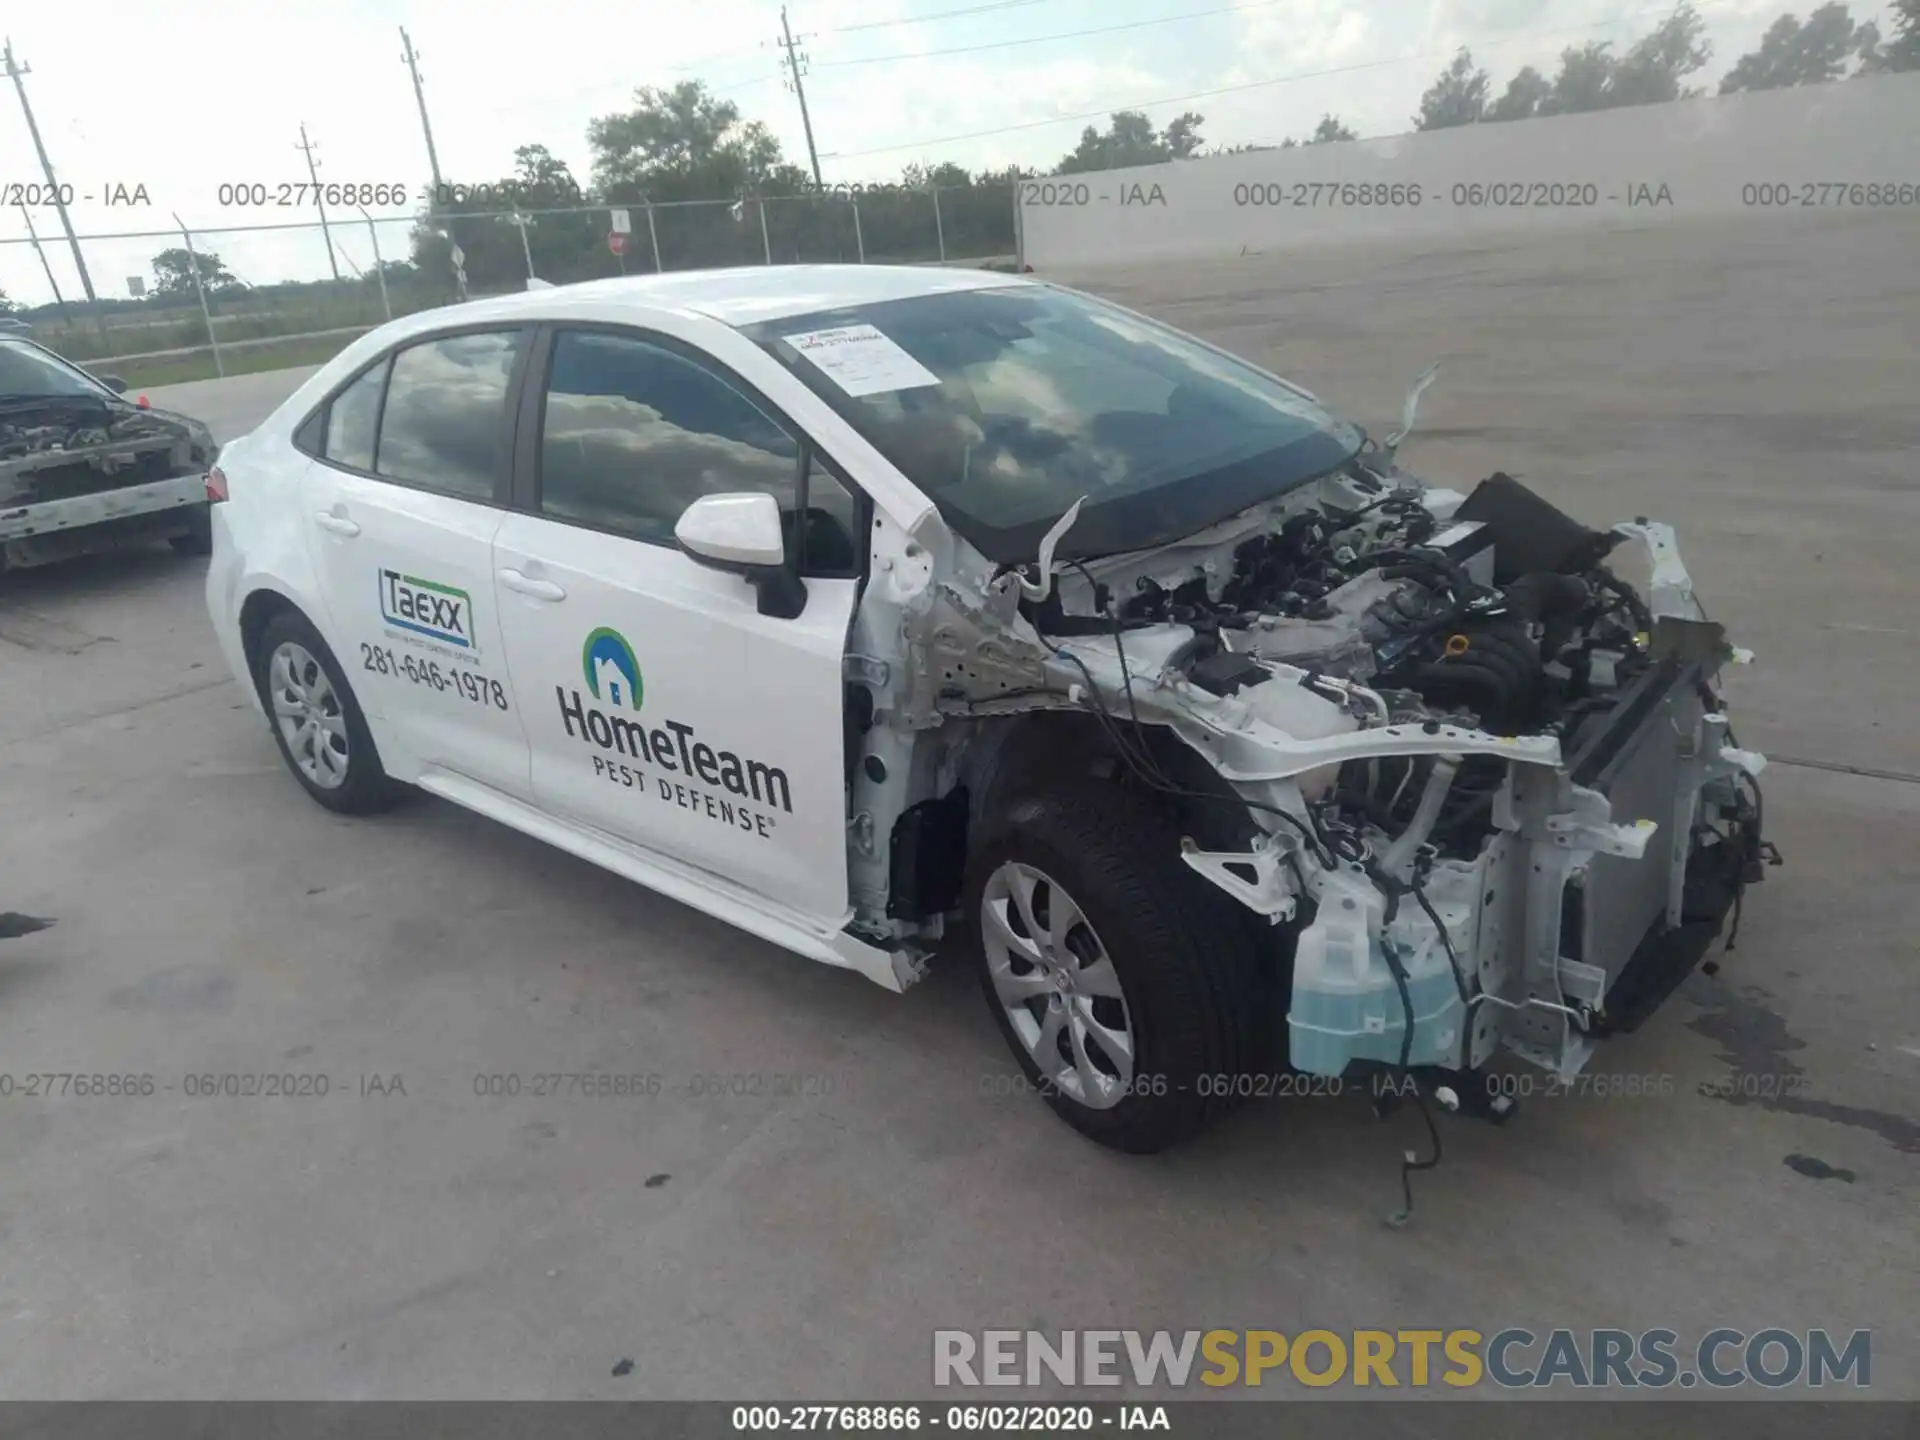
(427, 608)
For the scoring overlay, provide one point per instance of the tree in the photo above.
(562, 246)
(1586, 76)
(7, 304)
(1903, 53)
(1651, 70)
(1794, 54)
(1331, 127)
(1182, 135)
(1458, 97)
(541, 181)
(1130, 139)
(683, 144)
(1866, 48)
(1524, 95)
(173, 272)
(946, 175)
(1592, 77)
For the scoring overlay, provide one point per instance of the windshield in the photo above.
(27, 371)
(1006, 405)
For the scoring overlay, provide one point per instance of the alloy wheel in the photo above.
(307, 709)
(1055, 980)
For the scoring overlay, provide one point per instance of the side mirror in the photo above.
(742, 534)
(113, 383)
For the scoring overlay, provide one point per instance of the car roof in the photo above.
(747, 294)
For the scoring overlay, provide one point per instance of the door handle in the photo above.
(338, 524)
(527, 585)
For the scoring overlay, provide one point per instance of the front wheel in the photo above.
(316, 721)
(1125, 986)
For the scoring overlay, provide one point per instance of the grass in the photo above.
(281, 355)
(266, 354)
(88, 340)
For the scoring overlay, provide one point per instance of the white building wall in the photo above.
(1850, 145)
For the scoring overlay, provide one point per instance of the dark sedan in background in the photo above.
(84, 468)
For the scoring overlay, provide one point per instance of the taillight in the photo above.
(216, 484)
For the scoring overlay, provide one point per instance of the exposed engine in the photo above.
(58, 447)
(1483, 794)
(1500, 618)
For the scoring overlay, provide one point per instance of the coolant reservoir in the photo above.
(1284, 703)
(1346, 1003)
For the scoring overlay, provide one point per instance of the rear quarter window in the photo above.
(352, 420)
(443, 424)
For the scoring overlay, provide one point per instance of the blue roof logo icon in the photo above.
(613, 675)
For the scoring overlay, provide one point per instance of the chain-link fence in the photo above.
(191, 302)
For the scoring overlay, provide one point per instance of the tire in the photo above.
(198, 538)
(1187, 972)
(336, 762)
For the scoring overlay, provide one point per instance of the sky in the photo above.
(182, 96)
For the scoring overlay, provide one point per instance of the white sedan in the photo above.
(848, 603)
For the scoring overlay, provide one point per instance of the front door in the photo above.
(401, 511)
(660, 705)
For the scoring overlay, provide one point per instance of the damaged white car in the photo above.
(864, 606)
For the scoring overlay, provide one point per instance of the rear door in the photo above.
(400, 508)
(662, 707)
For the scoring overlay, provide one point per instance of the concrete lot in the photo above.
(1752, 383)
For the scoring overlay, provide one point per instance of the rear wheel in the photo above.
(1124, 985)
(316, 721)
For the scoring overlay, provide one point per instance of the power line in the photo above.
(1106, 110)
(937, 15)
(695, 64)
(683, 67)
(1357, 66)
(1062, 35)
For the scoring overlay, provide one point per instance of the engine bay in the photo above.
(1447, 731)
(1397, 605)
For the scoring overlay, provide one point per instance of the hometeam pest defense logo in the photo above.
(612, 674)
(683, 768)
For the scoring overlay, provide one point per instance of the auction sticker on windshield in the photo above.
(862, 361)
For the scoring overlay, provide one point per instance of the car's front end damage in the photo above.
(82, 470)
(1478, 791)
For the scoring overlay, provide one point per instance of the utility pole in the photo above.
(412, 57)
(59, 300)
(18, 73)
(313, 174)
(794, 61)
